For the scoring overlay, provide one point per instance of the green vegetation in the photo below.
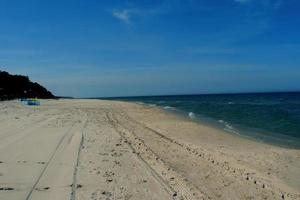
(18, 86)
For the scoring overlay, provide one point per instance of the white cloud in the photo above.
(123, 15)
(126, 15)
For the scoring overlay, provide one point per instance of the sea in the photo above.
(272, 118)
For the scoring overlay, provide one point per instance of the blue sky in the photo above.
(120, 48)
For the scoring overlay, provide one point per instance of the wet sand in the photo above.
(92, 149)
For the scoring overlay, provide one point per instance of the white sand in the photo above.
(92, 149)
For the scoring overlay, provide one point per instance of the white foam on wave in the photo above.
(168, 107)
(228, 127)
(192, 115)
(232, 130)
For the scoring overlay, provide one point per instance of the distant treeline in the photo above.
(18, 86)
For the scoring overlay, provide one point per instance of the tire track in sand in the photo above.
(240, 174)
(176, 185)
(49, 161)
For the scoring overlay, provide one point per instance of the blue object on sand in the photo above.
(33, 102)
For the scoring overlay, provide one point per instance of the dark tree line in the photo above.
(18, 86)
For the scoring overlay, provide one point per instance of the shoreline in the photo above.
(103, 149)
(209, 129)
(253, 134)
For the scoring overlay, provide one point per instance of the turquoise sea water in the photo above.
(267, 117)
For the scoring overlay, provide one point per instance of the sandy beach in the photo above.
(95, 149)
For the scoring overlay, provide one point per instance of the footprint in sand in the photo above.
(108, 175)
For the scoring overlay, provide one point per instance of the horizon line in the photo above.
(191, 94)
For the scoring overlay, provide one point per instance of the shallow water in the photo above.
(268, 117)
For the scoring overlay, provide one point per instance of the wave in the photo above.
(192, 115)
(221, 121)
(168, 108)
(228, 127)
